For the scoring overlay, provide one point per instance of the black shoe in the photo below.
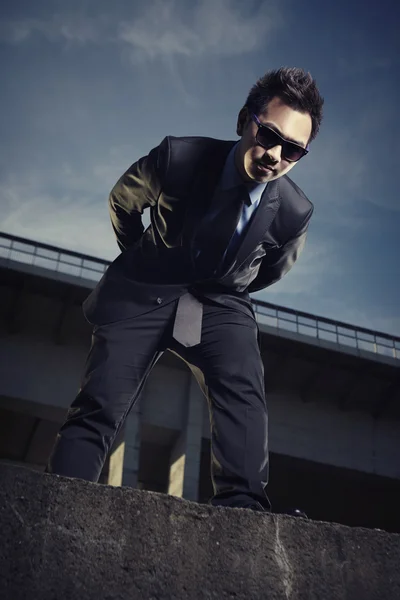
(295, 512)
(241, 502)
(251, 505)
(254, 506)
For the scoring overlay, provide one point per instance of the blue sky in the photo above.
(88, 87)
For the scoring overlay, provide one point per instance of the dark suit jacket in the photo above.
(176, 180)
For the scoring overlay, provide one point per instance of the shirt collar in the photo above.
(230, 178)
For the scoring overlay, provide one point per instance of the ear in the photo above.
(242, 119)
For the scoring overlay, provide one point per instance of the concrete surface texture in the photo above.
(65, 538)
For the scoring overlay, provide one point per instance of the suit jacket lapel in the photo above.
(201, 196)
(259, 224)
(202, 190)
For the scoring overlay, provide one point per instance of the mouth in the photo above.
(265, 169)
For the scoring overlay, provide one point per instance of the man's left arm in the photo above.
(278, 261)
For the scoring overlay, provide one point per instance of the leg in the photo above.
(228, 366)
(121, 358)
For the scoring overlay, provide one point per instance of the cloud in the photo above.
(164, 28)
(210, 28)
(65, 206)
(344, 167)
(333, 163)
(60, 27)
(82, 227)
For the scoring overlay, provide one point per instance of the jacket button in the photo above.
(159, 300)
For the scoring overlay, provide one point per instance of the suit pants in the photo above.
(228, 368)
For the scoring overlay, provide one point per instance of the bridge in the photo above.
(333, 397)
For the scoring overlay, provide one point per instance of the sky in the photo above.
(89, 86)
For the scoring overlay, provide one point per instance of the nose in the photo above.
(275, 153)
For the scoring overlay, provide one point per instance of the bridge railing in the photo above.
(86, 267)
(51, 257)
(321, 328)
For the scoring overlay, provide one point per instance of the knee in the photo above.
(91, 409)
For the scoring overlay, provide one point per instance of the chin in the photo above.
(261, 179)
(257, 177)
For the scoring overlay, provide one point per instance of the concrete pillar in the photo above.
(185, 456)
(122, 465)
(115, 461)
(177, 466)
(132, 447)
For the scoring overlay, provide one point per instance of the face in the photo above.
(250, 157)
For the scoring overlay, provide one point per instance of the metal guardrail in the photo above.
(51, 257)
(287, 319)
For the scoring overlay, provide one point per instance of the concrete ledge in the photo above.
(71, 539)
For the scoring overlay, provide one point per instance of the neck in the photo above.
(239, 166)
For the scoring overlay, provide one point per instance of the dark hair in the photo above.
(294, 87)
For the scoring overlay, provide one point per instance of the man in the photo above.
(225, 221)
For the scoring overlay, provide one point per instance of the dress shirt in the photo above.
(230, 178)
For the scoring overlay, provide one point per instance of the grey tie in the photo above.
(189, 316)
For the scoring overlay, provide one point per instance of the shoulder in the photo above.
(186, 157)
(180, 155)
(192, 147)
(293, 195)
(294, 212)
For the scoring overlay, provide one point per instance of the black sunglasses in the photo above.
(268, 138)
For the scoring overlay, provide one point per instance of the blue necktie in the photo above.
(249, 209)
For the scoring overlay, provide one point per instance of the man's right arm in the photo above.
(138, 188)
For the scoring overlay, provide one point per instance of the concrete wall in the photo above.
(322, 432)
(65, 538)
